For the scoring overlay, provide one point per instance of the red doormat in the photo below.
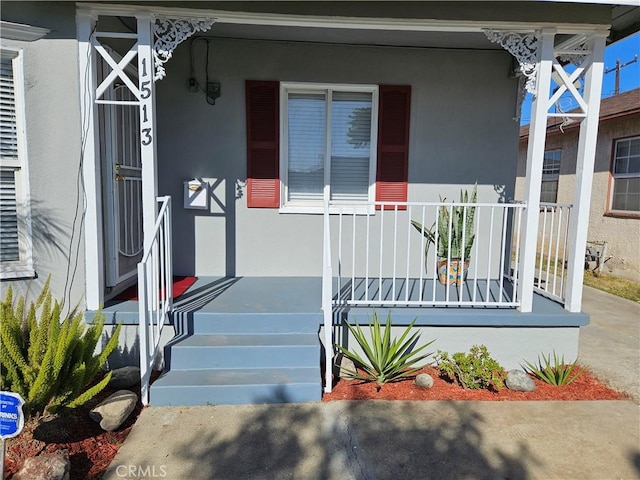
(180, 285)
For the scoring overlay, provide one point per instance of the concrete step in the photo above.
(204, 351)
(251, 323)
(237, 386)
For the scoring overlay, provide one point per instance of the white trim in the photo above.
(24, 267)
(535, 156)
(317, 207)
(148, 130)
(319, 21)
(584, 174)
(91, 168)
(20, 31)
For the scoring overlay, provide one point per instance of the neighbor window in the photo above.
(550, 174)
(328, 144)
(15, 241)
(626, 176)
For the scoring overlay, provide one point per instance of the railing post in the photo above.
(143, 338)
(327, 296)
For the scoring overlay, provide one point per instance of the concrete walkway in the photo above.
(410, 440)
(610, 344)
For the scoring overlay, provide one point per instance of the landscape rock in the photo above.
(125, 377)
(424, 380)
(345, 365)
(48, 466)
(519, 381)
(114, 410)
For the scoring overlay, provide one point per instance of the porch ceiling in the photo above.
(393, 38)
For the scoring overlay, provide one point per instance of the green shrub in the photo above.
(386, 360)
(49, 361)
(473, 370)
(558, 373)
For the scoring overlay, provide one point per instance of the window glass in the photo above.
(550, 174)
(329, 144)
(626, 175)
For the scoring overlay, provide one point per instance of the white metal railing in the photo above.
(551, 255)
(155, 293)
(381, 259)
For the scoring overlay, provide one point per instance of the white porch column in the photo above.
(584, 173)
(535, 157)
(147, 125)
(94, 267)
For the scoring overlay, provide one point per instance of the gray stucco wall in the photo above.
(53, 143)
(621, 234)
(461, 132)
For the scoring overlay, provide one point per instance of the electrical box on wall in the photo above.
(196, 194)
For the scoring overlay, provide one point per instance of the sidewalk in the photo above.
(410, 440)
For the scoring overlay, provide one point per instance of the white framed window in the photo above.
(16, 260)
(328, 147)
(550, 175)
(625, 172)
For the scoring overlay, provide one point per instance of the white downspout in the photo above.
(535, 157)
(584, 174)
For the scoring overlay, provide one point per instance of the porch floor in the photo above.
(276, 296)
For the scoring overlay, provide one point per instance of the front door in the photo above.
(122, 194)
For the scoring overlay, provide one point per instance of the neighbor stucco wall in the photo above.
(53, 144)
(461, 132)
(622, 234)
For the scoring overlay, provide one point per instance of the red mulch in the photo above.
(585, 387)
(91, 449)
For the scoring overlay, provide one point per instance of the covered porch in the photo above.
(325, 240)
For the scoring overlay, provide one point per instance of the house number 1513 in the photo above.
(146, 136)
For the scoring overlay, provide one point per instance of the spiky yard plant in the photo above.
(474, 370)
(49, 359)
(387, 360)
(554, 373)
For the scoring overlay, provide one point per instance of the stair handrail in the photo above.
(155, 293)
(327, 299)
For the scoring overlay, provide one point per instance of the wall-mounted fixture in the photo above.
(196, 194)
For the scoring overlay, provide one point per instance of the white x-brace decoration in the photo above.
(171, 32)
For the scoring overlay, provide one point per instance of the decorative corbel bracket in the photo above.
(171, 32)
(524, 47)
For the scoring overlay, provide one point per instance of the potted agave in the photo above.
(455, 233)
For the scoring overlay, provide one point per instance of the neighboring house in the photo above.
(278, 152)
(615, 195)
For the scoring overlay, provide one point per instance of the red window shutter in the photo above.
(263, 126)
(393, 143)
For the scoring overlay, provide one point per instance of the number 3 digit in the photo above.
(147, 136)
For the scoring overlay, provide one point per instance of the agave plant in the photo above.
(556, 373)
(386, 360)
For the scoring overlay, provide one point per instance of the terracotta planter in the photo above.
(456, 274)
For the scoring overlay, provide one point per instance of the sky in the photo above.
(623, 50)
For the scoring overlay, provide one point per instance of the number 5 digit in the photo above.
(145, 90)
